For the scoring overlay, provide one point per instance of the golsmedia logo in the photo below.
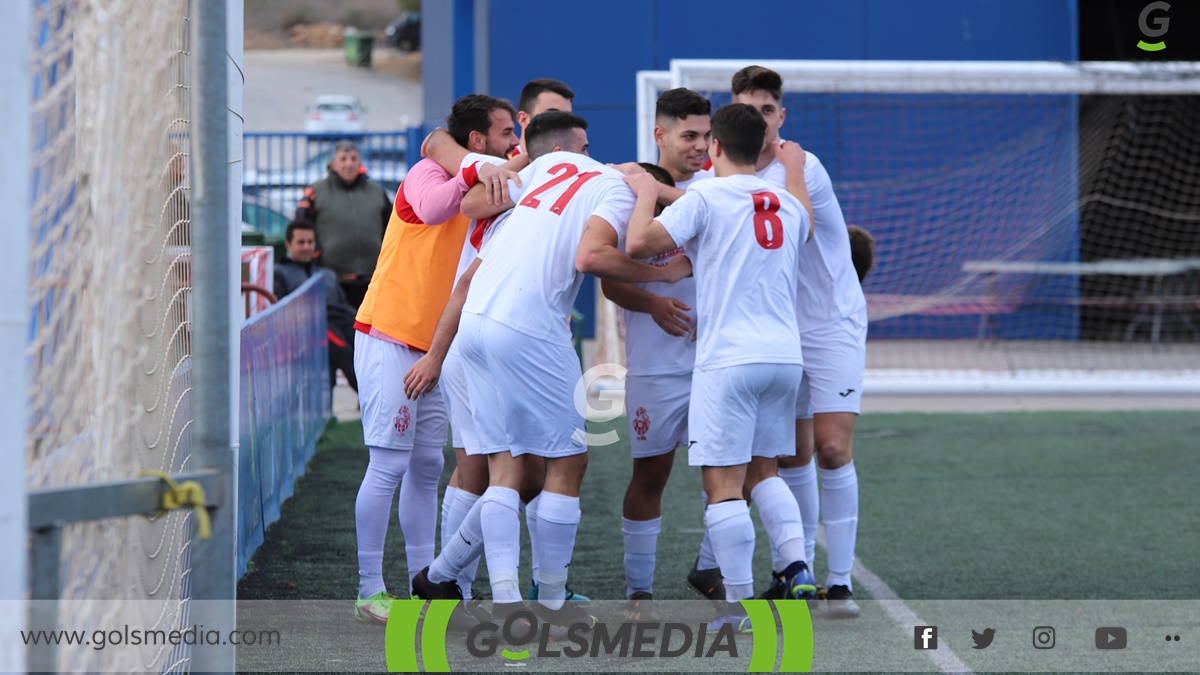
(522, 639)
(1159, 29)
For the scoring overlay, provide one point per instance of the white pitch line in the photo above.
(944, 658)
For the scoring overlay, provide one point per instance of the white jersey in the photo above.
(649, 350)
(743, 236)
(829, 287)
(527, 279)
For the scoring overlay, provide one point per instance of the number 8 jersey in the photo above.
(527, 279)
(743, 236)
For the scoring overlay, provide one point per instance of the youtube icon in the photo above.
(1111, 638)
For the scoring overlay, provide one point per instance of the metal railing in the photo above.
(278, 166)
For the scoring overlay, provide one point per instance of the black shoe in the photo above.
(502, 611)
(640, 609)
(562, 619)
(778, 588)
(708, 583)
(464, 618)
(840, 603)
(474, 607)
(425, 589)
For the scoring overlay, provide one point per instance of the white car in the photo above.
(335, 115)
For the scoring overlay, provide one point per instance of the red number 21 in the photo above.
(766, 212)
(564, 172)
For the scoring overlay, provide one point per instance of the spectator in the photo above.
(348, 212)
(291, 273)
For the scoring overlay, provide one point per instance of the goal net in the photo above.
(1036, 224)
(109, 342)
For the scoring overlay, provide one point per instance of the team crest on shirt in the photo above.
(401, 420)
(641, 423)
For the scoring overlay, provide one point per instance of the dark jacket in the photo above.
(349, 221)
(290, 275)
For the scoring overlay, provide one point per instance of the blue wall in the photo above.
(598, 48)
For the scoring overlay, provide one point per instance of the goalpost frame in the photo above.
(960, 77)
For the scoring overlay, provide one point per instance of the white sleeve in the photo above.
(684, 219)
(616, 207)
(515, 193)
(825, 204)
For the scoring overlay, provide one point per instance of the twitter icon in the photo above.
(984, 639)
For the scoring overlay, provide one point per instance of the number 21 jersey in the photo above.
(527, 279)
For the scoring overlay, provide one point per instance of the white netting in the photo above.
(1000, 196)
(108, 390)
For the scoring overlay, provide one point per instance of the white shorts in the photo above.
(521, 389)
(835, 356)
(454, 384)
(741, 412)
(656, 407)
(389, 418)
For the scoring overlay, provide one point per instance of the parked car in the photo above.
(335, 115)
(404, 32)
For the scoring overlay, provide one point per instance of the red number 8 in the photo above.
(766, 212)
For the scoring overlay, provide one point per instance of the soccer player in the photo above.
(832, 315)
(659, 355)
(538, 96)
(412, 282)
(745, 236)
(469, 479)
(521, 367)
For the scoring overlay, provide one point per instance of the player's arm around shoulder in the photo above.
(646, 236)
(793, 158)
(495, 189)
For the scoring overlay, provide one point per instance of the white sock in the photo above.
(781, 518)
(372, 508)
(461, 553)
(462, 506)
(839, 494)
(418, 508)
(803, 483)
(531, 516)
(732, 532)
(446, 530)
(707, 559)
(557, 523)
(501, 541)
(641, 542)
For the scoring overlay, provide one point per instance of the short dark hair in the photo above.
(534, 88)
(550, 129)
(679, 103)
(299, 224)
(660, 174)
(862, 251)
(473, 112)
(757, 78)
(345, 145)
(741, 130)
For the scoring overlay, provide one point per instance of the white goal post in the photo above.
(1028, 140)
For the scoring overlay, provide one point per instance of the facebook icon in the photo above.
(925, 637)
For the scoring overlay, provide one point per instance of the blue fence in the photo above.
(280, 165)
(285, 403)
